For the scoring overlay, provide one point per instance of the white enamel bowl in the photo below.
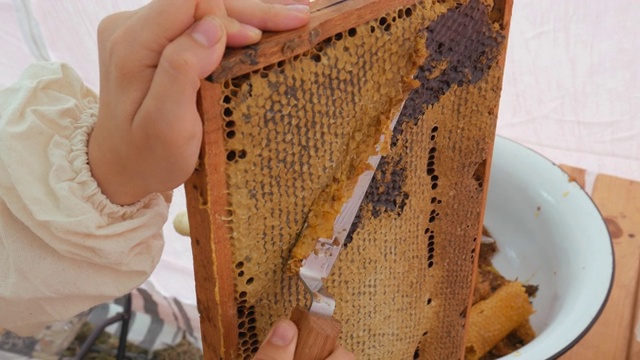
(549, 233)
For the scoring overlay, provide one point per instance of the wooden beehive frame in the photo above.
(211, 210)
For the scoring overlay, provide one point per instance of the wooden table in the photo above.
(613, 336)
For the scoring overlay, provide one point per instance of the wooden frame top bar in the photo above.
(325, 22)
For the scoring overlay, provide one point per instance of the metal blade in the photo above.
(318, 265)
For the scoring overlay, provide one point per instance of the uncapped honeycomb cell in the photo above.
(297, 132)
(281, 132)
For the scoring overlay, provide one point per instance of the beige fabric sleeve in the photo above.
(64, 247)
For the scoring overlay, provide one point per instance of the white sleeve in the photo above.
(64, 247)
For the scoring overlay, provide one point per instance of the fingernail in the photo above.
(282, 334)
(253, 31)
(299, 8)
(207, 31)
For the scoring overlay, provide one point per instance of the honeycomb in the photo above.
(282, 146)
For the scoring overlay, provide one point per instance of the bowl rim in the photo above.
(585, 331)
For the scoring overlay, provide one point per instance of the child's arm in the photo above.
(66, 241)
(148, 134)
(64, 247)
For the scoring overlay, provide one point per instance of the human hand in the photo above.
(148, 132)
(280, 344)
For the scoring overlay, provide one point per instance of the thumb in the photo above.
(183, 63)
(167, 122)
(280, 343)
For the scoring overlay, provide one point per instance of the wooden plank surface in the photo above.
(612, 337)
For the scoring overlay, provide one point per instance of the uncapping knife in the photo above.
(318, 331)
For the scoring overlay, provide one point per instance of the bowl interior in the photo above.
(551, 234)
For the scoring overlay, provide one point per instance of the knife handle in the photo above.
(317, 334)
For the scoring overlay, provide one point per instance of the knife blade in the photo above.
(318, 331)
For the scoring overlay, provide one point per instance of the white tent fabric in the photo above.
(13, 47)
(570, 87)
